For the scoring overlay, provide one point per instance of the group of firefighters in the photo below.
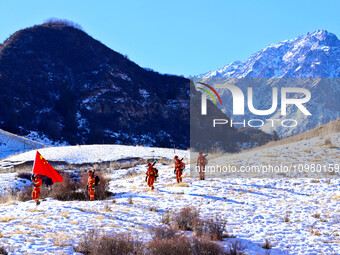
(152, 172)
(151, 176)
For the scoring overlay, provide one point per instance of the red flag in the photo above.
(41, 166)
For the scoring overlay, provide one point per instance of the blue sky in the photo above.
(180, 37)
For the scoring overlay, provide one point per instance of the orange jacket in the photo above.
(91, 181)
(37, 182)
(151, 171)
(178, 165)
(202, 161)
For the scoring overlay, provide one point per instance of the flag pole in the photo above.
(34, 161)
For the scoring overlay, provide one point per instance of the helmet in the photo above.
(176, 157)
(200, 153)
(149, 164)
(90, 171)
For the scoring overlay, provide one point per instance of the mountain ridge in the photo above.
(319, 41)
(315, 56)
(56, 79)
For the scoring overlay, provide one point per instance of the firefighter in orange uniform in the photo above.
(150, 175)
(178, 169)
(37, 186)
(90, 184)
(201, 163)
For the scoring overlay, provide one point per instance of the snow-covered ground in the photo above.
(304, 158)
(254, 208)
(98, 153)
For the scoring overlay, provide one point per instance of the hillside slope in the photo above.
(298, 216)
(57, 80)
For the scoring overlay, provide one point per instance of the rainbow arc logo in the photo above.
(209, 93)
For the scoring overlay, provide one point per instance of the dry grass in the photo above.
(17, 232)
(7, 218)
(181, 184)
(315, 160)
(107, 208)
(336, 197)
(62, 240)
(286, 218)
(331, 146)
(317, 215)
(315, 232)
(65, 215)
(330, 128)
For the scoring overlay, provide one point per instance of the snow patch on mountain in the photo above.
(315, 55)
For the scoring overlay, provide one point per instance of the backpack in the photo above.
(97, 181)
(183, 166)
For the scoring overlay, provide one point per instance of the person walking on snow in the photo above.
(178, 169)
(37, 186)
(90, 184)
(201, 163)
(151, 174)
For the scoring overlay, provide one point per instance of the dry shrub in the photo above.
(163, 232)
(118, 244)
(166, 217)
(3, 250)
(206, 247)
(286, 218)
(185, 219)
(317, 215)
(94, 243)
(267, 245)
(188, 219)
(101, 192)
(27, 176)
(152, 209)
(69, 190)
(178, 245)
(327, 141)
(87, 242)
(235, 248)
(210, 228)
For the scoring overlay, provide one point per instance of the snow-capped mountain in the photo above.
(315, 55)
